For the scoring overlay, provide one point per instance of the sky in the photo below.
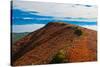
(28, 16)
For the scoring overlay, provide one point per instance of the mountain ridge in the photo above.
(40, 46)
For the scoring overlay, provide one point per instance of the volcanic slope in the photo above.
(41, 46)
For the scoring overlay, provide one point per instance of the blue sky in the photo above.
(28, 16)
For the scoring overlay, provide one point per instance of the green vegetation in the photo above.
(59, 57)
(78, 32)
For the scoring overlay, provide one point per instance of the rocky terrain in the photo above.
(57, 42)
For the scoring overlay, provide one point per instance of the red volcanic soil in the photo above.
(40, 46)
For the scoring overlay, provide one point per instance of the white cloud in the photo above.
(27, 18)
(57, 10)
(26, 28)
(92, 27)
(37, 18)
(77, 19)
(33, 27)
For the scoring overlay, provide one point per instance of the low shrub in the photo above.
(59, 57)
(78, 32)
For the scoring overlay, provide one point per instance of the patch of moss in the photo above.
(59, 57)
(78, 32)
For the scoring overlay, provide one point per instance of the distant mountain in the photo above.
(17, 36)
(56, 42)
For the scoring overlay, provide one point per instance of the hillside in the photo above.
(17, 36)
(56, 43)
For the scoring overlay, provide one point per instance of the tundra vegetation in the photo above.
(59, 57)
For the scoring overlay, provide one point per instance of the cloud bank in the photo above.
(26, 28)
(58, 9)
(33, 27)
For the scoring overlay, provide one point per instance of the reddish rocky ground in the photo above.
(41, 46)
